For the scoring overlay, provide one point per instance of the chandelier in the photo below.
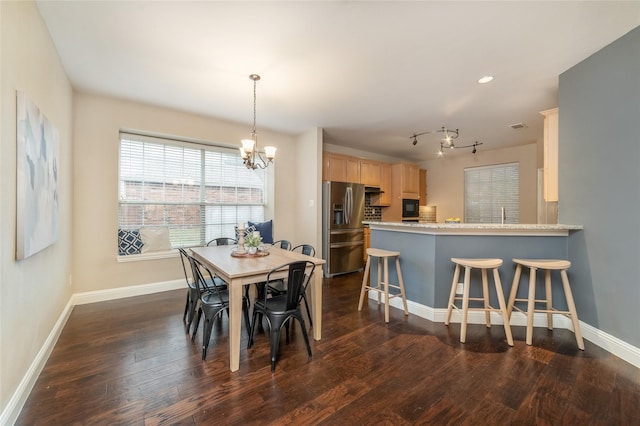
(249, 149)
(448, 140)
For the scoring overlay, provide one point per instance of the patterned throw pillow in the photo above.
(248, 231)
(129, 242)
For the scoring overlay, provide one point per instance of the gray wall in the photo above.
(599, 184)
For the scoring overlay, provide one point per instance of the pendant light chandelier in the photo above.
(249, 149)
(448, 140)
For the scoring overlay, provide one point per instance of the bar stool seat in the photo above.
(382, 285)
(547, 265)
(484, 265)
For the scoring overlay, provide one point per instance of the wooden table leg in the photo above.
(316, 303)
(235, 323)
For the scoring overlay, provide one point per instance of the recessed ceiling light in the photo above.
(485, 79)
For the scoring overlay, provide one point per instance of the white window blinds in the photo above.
(490, 189)
(199, 191)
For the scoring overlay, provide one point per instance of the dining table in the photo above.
(239, 270)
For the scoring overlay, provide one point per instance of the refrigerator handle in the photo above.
(348, 205)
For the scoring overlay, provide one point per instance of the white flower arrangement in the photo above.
(253, 240)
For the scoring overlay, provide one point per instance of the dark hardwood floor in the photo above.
(129, 361)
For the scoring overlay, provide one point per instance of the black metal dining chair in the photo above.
(307, 250)
(213, 301)
(222, 241)
(283, 244)
(192, 294)
(280, 309)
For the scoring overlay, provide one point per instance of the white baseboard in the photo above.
(612, 344)
(121, 292)
(13, 408)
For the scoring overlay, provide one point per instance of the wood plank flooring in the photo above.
(130, 362)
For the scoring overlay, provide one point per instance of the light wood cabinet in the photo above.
(340, 168)
(370, 173)
(353, 170)
(550, 154)
(383, 199)
(407, 179)
(405, 183)
(423, 187)
(343, 168)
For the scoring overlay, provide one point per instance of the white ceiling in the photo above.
(369, 73)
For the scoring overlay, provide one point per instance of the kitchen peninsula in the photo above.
(426, 250)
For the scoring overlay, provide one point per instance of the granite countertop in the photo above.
(476, 228)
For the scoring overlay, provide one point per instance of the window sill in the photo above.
(164, 254)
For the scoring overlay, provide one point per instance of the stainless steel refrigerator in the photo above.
(342, 232)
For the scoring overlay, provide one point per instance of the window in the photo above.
(487, 190)
(199, 191)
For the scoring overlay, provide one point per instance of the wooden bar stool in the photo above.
(482, 264)
(382, 286)
(547, 265)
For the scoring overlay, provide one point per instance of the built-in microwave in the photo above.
(410, 208)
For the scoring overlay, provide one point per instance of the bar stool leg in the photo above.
(547, 289)
(572, 309)
(531, 303)
(452, 295)
(401, 285)
(386, 289)
(514, 289)
(365, 282)
(503, 307)
(379, 283)
(485, 296)
(465, 304)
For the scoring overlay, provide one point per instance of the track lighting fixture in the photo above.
(448, 140)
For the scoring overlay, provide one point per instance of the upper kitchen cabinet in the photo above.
(406, 179)
(340, 168)
(384, 198)
(370, 173)
(423, 187)
(550, 154)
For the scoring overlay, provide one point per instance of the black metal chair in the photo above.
(307, 250)
(213, 302)
(279, 309)
(192, 293)
(222, 241)
(277, 286)
(283, 244)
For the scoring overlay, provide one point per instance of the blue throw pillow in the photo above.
(265, 229)
(129, 242)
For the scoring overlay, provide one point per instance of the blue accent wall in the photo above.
(599, 184)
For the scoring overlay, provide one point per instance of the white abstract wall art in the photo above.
(37, 179)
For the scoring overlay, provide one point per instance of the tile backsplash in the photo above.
(371, 213)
